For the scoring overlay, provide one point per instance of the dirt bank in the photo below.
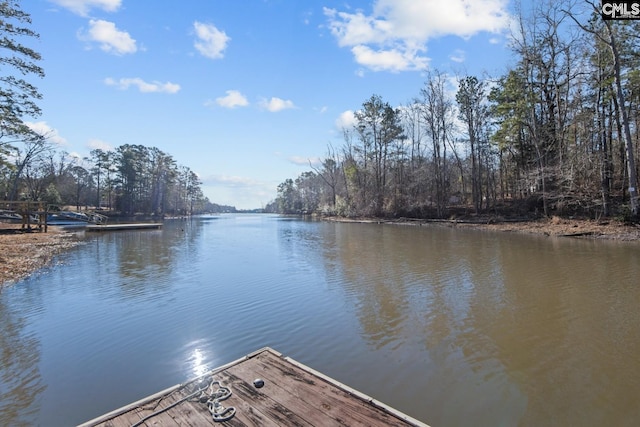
(577, 228)
(591, 229)
(22, 253)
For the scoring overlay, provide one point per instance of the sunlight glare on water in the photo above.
(196, 362)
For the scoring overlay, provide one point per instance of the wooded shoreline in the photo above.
(24, 253)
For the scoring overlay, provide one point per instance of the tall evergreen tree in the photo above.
(18, 97)
(378, 126)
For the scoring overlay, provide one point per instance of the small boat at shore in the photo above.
(15, 217)
(75, 218)
(262, 388)
(10, 216)
(66, 217)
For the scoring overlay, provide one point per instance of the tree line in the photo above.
(557, 134)
(132, 179)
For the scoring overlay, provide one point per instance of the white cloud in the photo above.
(346, 120)
(392, 59)
(97, 144)
(354, 29)
(432, 18)
(143, 86)
(46, 131)
(110, 38)
(233, 99)
(276, 104)
(82, 7)
(304, 161)
(395, 36)
(230, 181)
(239, 191)
(211, 41)
(457, 56)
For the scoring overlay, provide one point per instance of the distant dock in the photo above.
(119, 227)
(263, 388)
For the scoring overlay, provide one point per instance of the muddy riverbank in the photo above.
(609, 229)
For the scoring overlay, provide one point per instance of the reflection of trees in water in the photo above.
(366, 258)
(20, 380)
(142, 256)
(147, 258)
(299, 242)
(362, 263)
(529, 329)
(402, 282)
(569, 333)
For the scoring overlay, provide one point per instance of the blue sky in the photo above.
(246, 92)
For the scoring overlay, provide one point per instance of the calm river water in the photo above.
(453, 327)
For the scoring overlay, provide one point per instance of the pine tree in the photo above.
(18, 97)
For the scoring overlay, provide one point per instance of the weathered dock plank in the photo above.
(262, 408)
(292, 395)
(319, 401)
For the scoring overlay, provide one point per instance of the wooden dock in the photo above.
(119, 227)
(261, 389)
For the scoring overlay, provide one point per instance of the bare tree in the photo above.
(437, 118)
(329, 173)
(610, 37)
(474, 112)
(32, 150)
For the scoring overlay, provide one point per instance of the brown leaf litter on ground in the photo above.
(24, 252)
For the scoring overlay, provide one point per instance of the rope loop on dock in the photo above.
(213, 398)
(205, 393)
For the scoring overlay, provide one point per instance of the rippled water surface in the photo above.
(453, 327)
